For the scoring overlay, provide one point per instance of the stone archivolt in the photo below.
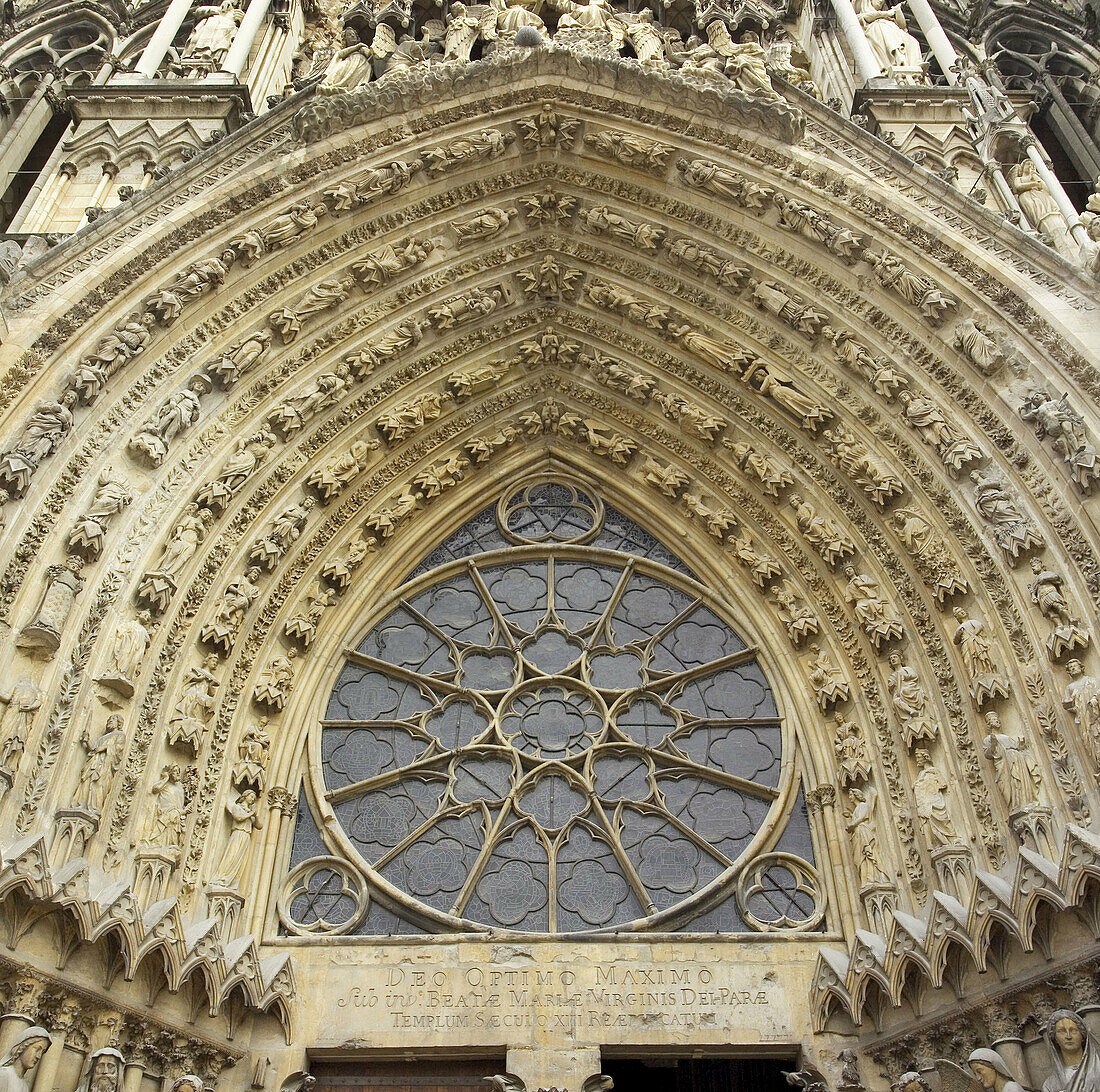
(687, 384)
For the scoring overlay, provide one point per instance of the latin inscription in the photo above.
(564, 999)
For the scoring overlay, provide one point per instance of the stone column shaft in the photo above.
(237, 57)
(1061, 198)
(867, 68)
(937, 39)
(157, 46)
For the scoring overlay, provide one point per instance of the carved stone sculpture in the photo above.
(164, 819)
(244, 820)
(665, 478)
(979, 346)
(634, 151)
(1067, 633)
(111, 496)
(380, 266)
(466, 382)
(125, 654)
(822, 533)
(758, 464)
(853, 761)
(551, 280)
(724, 183)
(693, 419)
(955, 449)
(402, 421)
(404, 335)
(339, 570)
(853, 456)
(910, 702)
(719, 524)
(250, 769)
(800, 316)
(486, 144)
(872, 612)
(212, 35)
(601, 220)
(991, 1071)
(795, 615)
(929, 792)
(285, 530)
(986, 680)
(435, 479)
(781, 389)
(332, 478)
(221, 631)
(1015, 772)
(302, 625)
(1014, 530)
(893, 46)
(1056, 420)
(761, 567)
(195, 706)
(826, 678)
(861, 824)
(1035, 199)
(18, 1065)
(291, 416)
(177, 413)
(248, 455)
(348, 67)
(547, 129)
(102, 763)
(63, 584)
(1082, 697)
(323, 296)
(240, 358)
(894, 274)
(274, 683)
(708, 262)
(817, 227)
(41, 436)
(466, 308)
(938, 567)
(548, 207)
(1075, 1054)
(20, 703)
(856, 356)
(483, 225)
(368, 188)
(159, 584)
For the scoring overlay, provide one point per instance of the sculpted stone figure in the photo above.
(746, 62)
(102, 763)
(278, 232)
(302, 625)
(163, 828)
(703, 260)
(440, 476)
(991, 1071)
(627, 148)
(378, 182)
(1082, 697)
(855, 355)
(871, 610)
(382, 347)
(18, 1065)
(986, 681)
(63, 584)
(719, 524)
(817, 227)
(910, 702)
(725, 183)
(159, 585)
(851, 751)
(955, 450)
(893, 46)
(177, 413)
(467, 382)
(664, 477)
(286, 528)
(826, 678)
(40, 438)
(601, 220)
(213, 34)
(694, 420)
(331, 478)
(126, 652)
(221, 631)
(929, 791)
(123, 343)
(1016, 772)
(822, 533)
(244, 820)
(323, 296)
(781, 389)
(461, 309)
(547, 128)
(274, 683)
(758, 464)
(484, 225)
(248, 455)
(385, 519)
(1014, 531)
(401, 422)
(20, 703)
(761, 567)
(1067, 632)
(1074, 1053)
(380, 266)
(111, 496)
(985, 352)
(937, 565)
(195, 706)
(250, 769)
(240, 358)
(291, 416)
(769, 296)
(892, 273)
(865, 469)
(795, 615)
(1056, 420)
(486, 144)
(339, 570)
(1035, 199)
(861, 824)
(349, 66)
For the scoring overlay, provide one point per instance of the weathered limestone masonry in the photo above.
(549, 532)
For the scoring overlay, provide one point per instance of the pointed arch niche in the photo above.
(551, 722)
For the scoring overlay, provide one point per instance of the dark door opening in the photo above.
(698, 1074)
(426, 1074)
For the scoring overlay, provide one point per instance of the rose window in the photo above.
(550, 729)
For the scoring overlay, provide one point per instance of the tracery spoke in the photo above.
(734, 659)
(407, 674)
(504, 630)
(484, 854)
(629, 871)
(452, 645)
(709, 773)
(388, 777)
(601, 623)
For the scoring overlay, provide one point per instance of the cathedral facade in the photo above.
(427, 425)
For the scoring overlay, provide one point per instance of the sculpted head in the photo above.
(27, 1050)
(1074, 668)
(894, 660)
(187, 1083)
(1066, 1032)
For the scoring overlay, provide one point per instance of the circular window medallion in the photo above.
(781, 892)
(322, 896)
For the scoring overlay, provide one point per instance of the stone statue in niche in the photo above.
(244, 820)
(250, 769)
(855, 355)
(937, 565)
(762, 568)
(157, 586)
(1082, 697)
(485, 144)
(445, 474)
(248, 455)
(851, 751)
(18, 1065)
(163, 827)
(195, 705)
(103, 1072)
(333, 477)
(601, 220)
(302, 625)
(724, 182)
(240, 358)
(126, 652)
(890, 41)
(102, 763)
(761, 466)
(826, 678)
(221, 631)
(323, 296)
(1067, 632)
(466, 308)
(285, 530)
(795, 615)
(991, 1072)
(213, 34)
(348, 67)
(177, 413)
(1057, 420)
(274, 683)
(63, 584)
(483, 225)
(955, 449)
(1016, 772)
(986, 681)
(1013, 529)
(978, 345)
(780, 388)
(291, 416)
(822, 533)
(380, 266)
(111, 496)
(796, 313)
(894, 274)
(339, 571)
(122, 344)
(861, 824)
(42, 435)
(1036, 201)
(865, 469)
(929, 791)
(1074, 1053)
(910, 702)
(871, 610)
(20, 704)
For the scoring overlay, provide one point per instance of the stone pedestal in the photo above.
(75, 827)
(1034, 826)
(955, 869)
(879, 899)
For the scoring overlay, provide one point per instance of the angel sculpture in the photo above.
(986, 1072)
(465, 26)
(746, 62)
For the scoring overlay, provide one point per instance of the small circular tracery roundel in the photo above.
(555, 736)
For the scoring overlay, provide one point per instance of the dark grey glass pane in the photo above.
(456, 724)
(435, 866)
(476, 536)
(669, 863)
(722, 918)
(621, 533)
(736, 693)
(354, 754)
(550, 513)
(699, 639)
(363, 694)
(581, 591)
(324, 899)
(486, 776)
(796, 838)
(752, 753)
(552, 722)
(493, 670)
(519, 592)
(592, 890)
(307, 840)
(552, 801)
(458, 609)
(382, 818)
(403, 641)
(618, 671)
(513, 889)
(620, 776)
(552, 651)
(720, 815)
(645, 722)
(646, 606)
(382, 922)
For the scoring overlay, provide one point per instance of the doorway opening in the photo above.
(699, 1074)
